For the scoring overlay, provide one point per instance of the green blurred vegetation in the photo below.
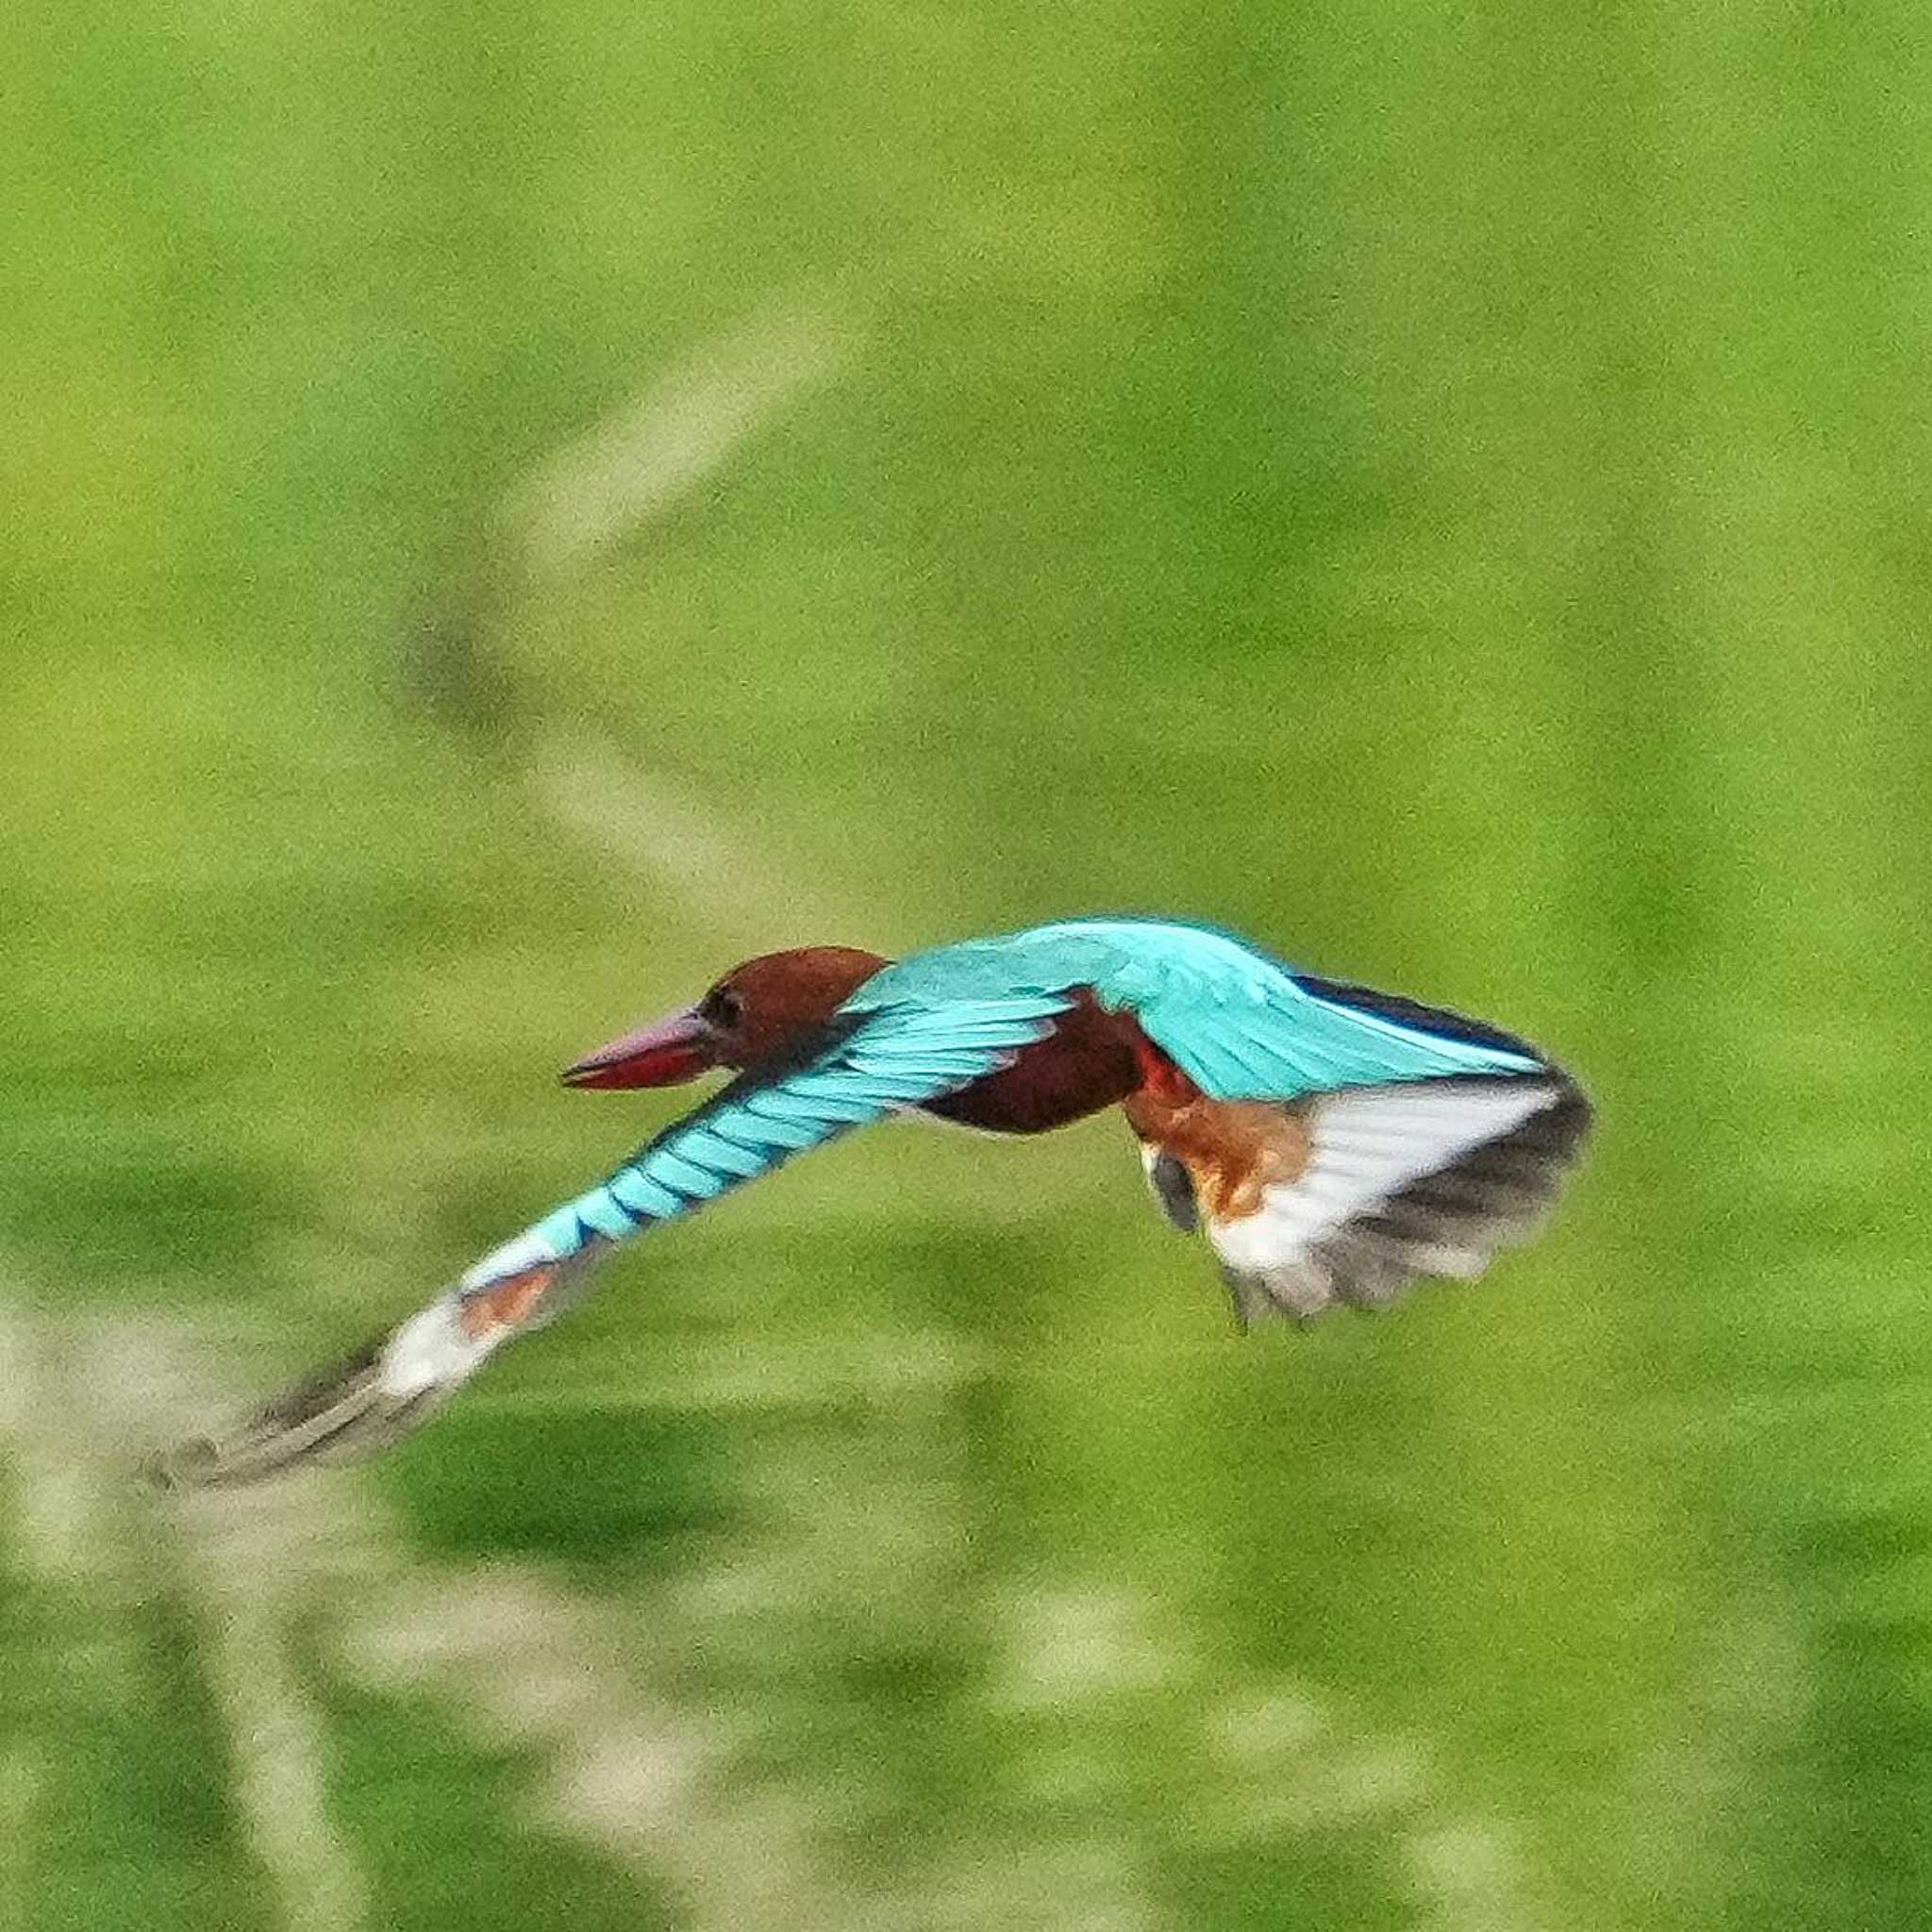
(1441, 491)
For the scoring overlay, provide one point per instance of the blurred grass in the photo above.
(1441, 492)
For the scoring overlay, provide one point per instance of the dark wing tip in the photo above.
(323, 1416)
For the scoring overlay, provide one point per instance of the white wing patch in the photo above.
(433, 1351)
(1423, 1177)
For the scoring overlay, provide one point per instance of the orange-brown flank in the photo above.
(1232, 1149)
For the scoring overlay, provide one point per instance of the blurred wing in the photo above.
(872, 1064)
(383, 1390)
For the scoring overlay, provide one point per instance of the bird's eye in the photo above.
(721, 1008)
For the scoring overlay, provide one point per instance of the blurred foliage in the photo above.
(1441, 491)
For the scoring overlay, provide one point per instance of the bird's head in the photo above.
(755, 1011)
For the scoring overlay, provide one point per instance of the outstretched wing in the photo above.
(1334, 1142)
(867, 1065)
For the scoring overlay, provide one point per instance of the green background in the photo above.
(1440, 490)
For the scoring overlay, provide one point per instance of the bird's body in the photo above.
(1332, 1142)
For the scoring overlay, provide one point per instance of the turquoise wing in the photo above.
(1289, 1039)
(1243, 1027)
(880, 1058)
(872, 1063)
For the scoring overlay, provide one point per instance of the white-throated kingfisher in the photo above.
(1332, 1142)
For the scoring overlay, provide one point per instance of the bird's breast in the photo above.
(1086, 1063)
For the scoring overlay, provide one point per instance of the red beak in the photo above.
(679, 1047)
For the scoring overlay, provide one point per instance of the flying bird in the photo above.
(1332, 1142)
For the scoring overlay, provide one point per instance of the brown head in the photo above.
(757, 1011)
